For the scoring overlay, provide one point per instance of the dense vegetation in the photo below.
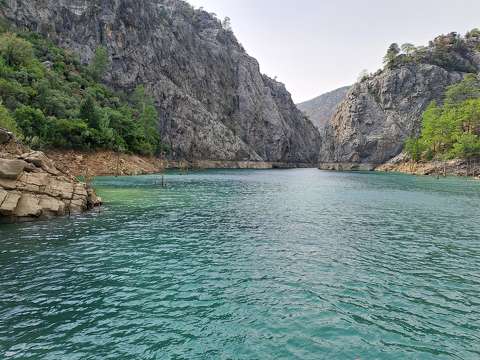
(50, 100)
(451, 130)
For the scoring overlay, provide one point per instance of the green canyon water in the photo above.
(280, 264)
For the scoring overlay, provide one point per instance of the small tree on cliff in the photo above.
(363, 75)
(6, 120)
(392, 53)
(474, 33)
(408, 49)
(227, 24)
(414, 147)
(147, 115)
(99, 64)
(89, 112)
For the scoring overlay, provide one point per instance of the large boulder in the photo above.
(5, 136)
(39, 159)
(28, 206)
(9, 203)
(11, 169)
(51, 205)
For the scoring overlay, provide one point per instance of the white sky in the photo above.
(315, 46)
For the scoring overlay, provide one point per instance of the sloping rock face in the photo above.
(213, 101)
(381, 112)
(321, 109)
(31, 187)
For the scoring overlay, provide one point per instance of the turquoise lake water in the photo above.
(243, 264)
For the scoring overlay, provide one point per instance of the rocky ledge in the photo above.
(32, 187)
(455, 167)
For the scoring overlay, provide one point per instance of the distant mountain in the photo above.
(322, 108)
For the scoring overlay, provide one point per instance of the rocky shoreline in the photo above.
(36, 185)
(456, 167)
(346, 166)
(109, 163)
(434, 168)
(402, 164)
(32, 187)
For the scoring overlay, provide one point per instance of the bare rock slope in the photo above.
(213, 101)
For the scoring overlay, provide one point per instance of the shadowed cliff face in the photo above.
(213, 101)
(381, 112)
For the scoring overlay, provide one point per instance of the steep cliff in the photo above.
(380, 112)
(212, 99)
(321, 109)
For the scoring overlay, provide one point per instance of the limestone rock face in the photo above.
(31, 187)
(379, 114)
(382, 111)
(214, 103)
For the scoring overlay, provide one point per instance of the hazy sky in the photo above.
(315, 46)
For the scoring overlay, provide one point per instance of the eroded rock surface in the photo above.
(382, 111)
(214, 103)
(31, 187)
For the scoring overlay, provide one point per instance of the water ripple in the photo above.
(296, 264)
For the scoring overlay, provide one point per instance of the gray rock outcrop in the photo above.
(31, 187)
(321, 109)
(382, 111)
(213, 101)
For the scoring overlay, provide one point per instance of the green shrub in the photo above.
(7, 121)
(469, 88)
(99, 64)
(453, 129)
(31, 121)
(73, 134)
(56, 102)
(466, 146)
(415, 148)
(89, 112)
(13, 93)
(15, 51)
